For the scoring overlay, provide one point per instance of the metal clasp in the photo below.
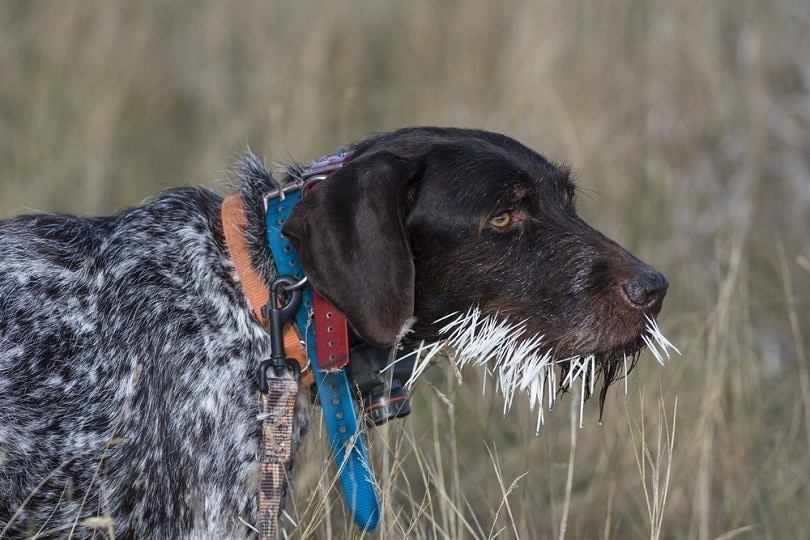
(326, 165)
(281, 193)
(310, 176)
(279, 314)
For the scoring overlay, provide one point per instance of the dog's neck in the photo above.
(234, 222)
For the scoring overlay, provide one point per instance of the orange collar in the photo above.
(234, 222)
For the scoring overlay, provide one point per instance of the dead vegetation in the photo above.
(688, 124)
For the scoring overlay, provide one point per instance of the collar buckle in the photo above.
(281, 192)
(326, 165)
(311, 175)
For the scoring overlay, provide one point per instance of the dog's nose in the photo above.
(647, 288)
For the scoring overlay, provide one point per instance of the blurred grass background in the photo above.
(687, 124)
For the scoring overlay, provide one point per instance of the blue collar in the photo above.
(348, 450)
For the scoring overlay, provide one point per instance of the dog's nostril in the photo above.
(646, 288)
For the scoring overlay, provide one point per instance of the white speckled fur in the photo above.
(128, 371)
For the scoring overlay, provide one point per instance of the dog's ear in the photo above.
(350, 234)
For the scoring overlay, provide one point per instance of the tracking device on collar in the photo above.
(378, 385)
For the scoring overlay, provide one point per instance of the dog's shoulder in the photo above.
(102, 319)
(65, 279)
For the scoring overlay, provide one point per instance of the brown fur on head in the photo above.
(426, 222)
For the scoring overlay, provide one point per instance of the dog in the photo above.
(128, 349)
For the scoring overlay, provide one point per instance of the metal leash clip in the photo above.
(280, 310)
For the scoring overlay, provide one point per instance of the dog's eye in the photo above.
(501, 219)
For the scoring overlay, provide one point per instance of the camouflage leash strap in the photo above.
(279, 387)
(279, 378)
(278, 404)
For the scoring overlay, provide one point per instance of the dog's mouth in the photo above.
(526, 364)
(609, 367)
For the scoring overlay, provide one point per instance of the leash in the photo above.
(327, 346)
(278, 405)
(278, 392)
(234, 222)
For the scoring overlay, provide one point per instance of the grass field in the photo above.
(687, 123)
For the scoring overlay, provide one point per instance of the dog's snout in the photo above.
(646, 288)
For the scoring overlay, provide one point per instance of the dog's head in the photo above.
(425, 223)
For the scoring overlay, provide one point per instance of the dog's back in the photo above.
(103, 322)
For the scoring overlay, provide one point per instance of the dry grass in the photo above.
(688, 124)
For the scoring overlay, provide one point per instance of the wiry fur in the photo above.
(128, 371)
(129, 354)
